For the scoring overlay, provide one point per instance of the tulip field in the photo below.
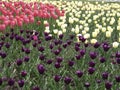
(59, 45)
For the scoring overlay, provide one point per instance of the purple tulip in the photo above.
(71, 63)
(87, 84)
(81, 38)
(51, 46)
(47, 38)
(91, 70)
(49, 61)
(67, 80)
(57, 78)
(1, 81)
(96, 45)
(56, 52)
(23, 73)
(19, 62)
(26, 58)
(35, 88)
(102, 59)
(108, 85)
(7, 45)
(77, 48)
(91, 64)
(11, 82)
(106, 47)
(105, 75)
(117, 55)
(41, 68)
(118, 60)
(79, 73)
(21, 83)
(41, 48)
(61, 36)
(65, 45)
(59, 59)
(34, 44)
(117, 78)
(57, 65)
(82, 52)
(78, 57)
(42, 57)
(93, 55)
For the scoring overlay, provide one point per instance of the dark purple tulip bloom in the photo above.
(56, 42)
(3, 55)
(65, 45)
(11, 82)
(47, 38)
(98, 81)
(39, 41)
(57, 78)
(19, 62)
(21, 31)
(91, 70)
(34, 44)
(7, 34)
(87, 84)
(27, 51)
(1, 81)
(49, 61)
(7, 45)
(23, 73)
(82, 52)
(96, 45)
(81, 38)
(105, 75)
(21, 38)
(77, 44)
(105, 47)
(56, 52)
(46, 34)
(78, 57)
(108, 85)
(51, 46)
(86, 44)
(35, 88)
(59, 59)
(3, 38)
(41, 68)
(12, 37)
(118, 60)
(57, 65)
(93, 55)
(26, 58)
(69, 42)
(61, 36)
(91, 64)
(21, 83)
(79, 73)
(67, 80)
(41, 48)
(117, 78)
(117, 54)
(23, 49)
(72, 36)
(102, 59)
(42, 57)
(17, 38)
(77, 48)
(1, 43)
(71, 63)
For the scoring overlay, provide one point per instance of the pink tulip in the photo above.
(35, 37)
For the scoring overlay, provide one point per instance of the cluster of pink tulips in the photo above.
(20, 13)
